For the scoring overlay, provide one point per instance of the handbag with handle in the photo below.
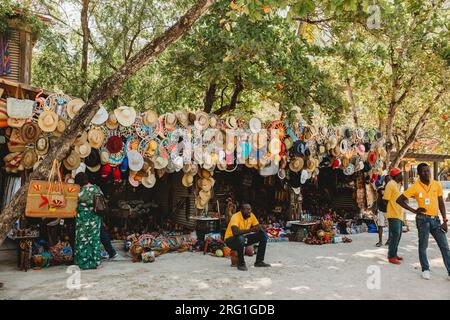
(52, 199)
(100, 204)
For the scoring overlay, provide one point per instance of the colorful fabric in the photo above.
(426, 196)
(87, 238)
(243, 224)
(5, 59)
(391, 194)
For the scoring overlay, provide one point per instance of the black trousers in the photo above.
(238, 243)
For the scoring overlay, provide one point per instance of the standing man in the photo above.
(243, 230)
(429, 196)
(381, 212)
(394, 214)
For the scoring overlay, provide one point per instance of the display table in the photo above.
(302, 228)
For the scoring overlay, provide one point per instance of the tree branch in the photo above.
(210, 97)
(239, 87)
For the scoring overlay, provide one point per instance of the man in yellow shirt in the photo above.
(243, 230)
(429, 196)
(394, 214)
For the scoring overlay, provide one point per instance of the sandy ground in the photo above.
(339, 271)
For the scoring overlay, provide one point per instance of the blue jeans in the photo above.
(106, 241)
(395, 234)
(238, 243)
(425, 226)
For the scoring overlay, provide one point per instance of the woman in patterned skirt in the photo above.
(87, 238)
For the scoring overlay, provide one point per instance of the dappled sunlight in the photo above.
(300, 288)
(372, 253)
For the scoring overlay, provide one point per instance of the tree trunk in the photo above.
(84, 55)
(239, 87)
(352, 100)
(415, 132)
(210, 97)
(110, 87)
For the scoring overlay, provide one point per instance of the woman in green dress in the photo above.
(87, 236)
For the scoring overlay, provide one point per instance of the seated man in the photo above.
(244, 230)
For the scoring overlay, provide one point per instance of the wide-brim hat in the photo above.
(205, 184)
(204, 173)
(360, 149)
(100, 117)
(125, 115)
(104, 157)
(336, 151)
(94, 169)
(170, 120)
(29, 158)
(132, 180)
(48, 121)
(282, 174)
(187, 180)
(349, 169)
(73, 107)
(311, 164)
(93, 159)
(231, 122)
(96, 137)
(81, 139)
(288, 143)
(200, 203)
(296, 164)
(114, 144)
(214, 121)
(359, 165)
(135, 160)
(343, 145)
(204, 195)
(72, 161)
(382, 153)
(111, 122)
(41, 145)
(84, 149)
(150, 118)
(182, 117)
(255, 125)
(160, 162)
(202, 120)
(149, 181)
(29, 132)
(360, 133)
(304, 176)
(332, 142)
(348, 133)
(60, 127)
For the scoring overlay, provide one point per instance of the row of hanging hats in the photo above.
(141, 145)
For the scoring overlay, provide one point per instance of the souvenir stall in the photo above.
(163, 179)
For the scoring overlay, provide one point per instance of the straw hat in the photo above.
(104, 157)
(29, 158)
(170, 120)
(100, 117)
(255, 125)
(83, 149)
(205, 184)
(345, 162)
(41, 145)
(202, 120)
(73, 161)
(30, 132)
(112, 122)
(125, 115)
(204, 195)
(336, 151)
(178, 163)
(200, 203)
(288, 143)
(311, 164)
(203, 173)
(214, 120)
(296, 164)
(48, 121)
(360, 133)
(343, 145)
(332, 142)
(73, 107)
(96, 138)
(60, 127)
(135, 160)
(149, 181)
(182, 118)
(160, 163)
(15, 123)
(150, 118)
(160, 172)
(231, 123)
(187, 180)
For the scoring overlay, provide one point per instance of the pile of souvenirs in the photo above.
(124, 144)
(147, 247)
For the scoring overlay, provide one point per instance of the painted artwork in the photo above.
(5, 59)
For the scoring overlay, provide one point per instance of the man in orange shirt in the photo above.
(243, 230)
(429, 196)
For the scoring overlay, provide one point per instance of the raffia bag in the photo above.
(52, 199)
